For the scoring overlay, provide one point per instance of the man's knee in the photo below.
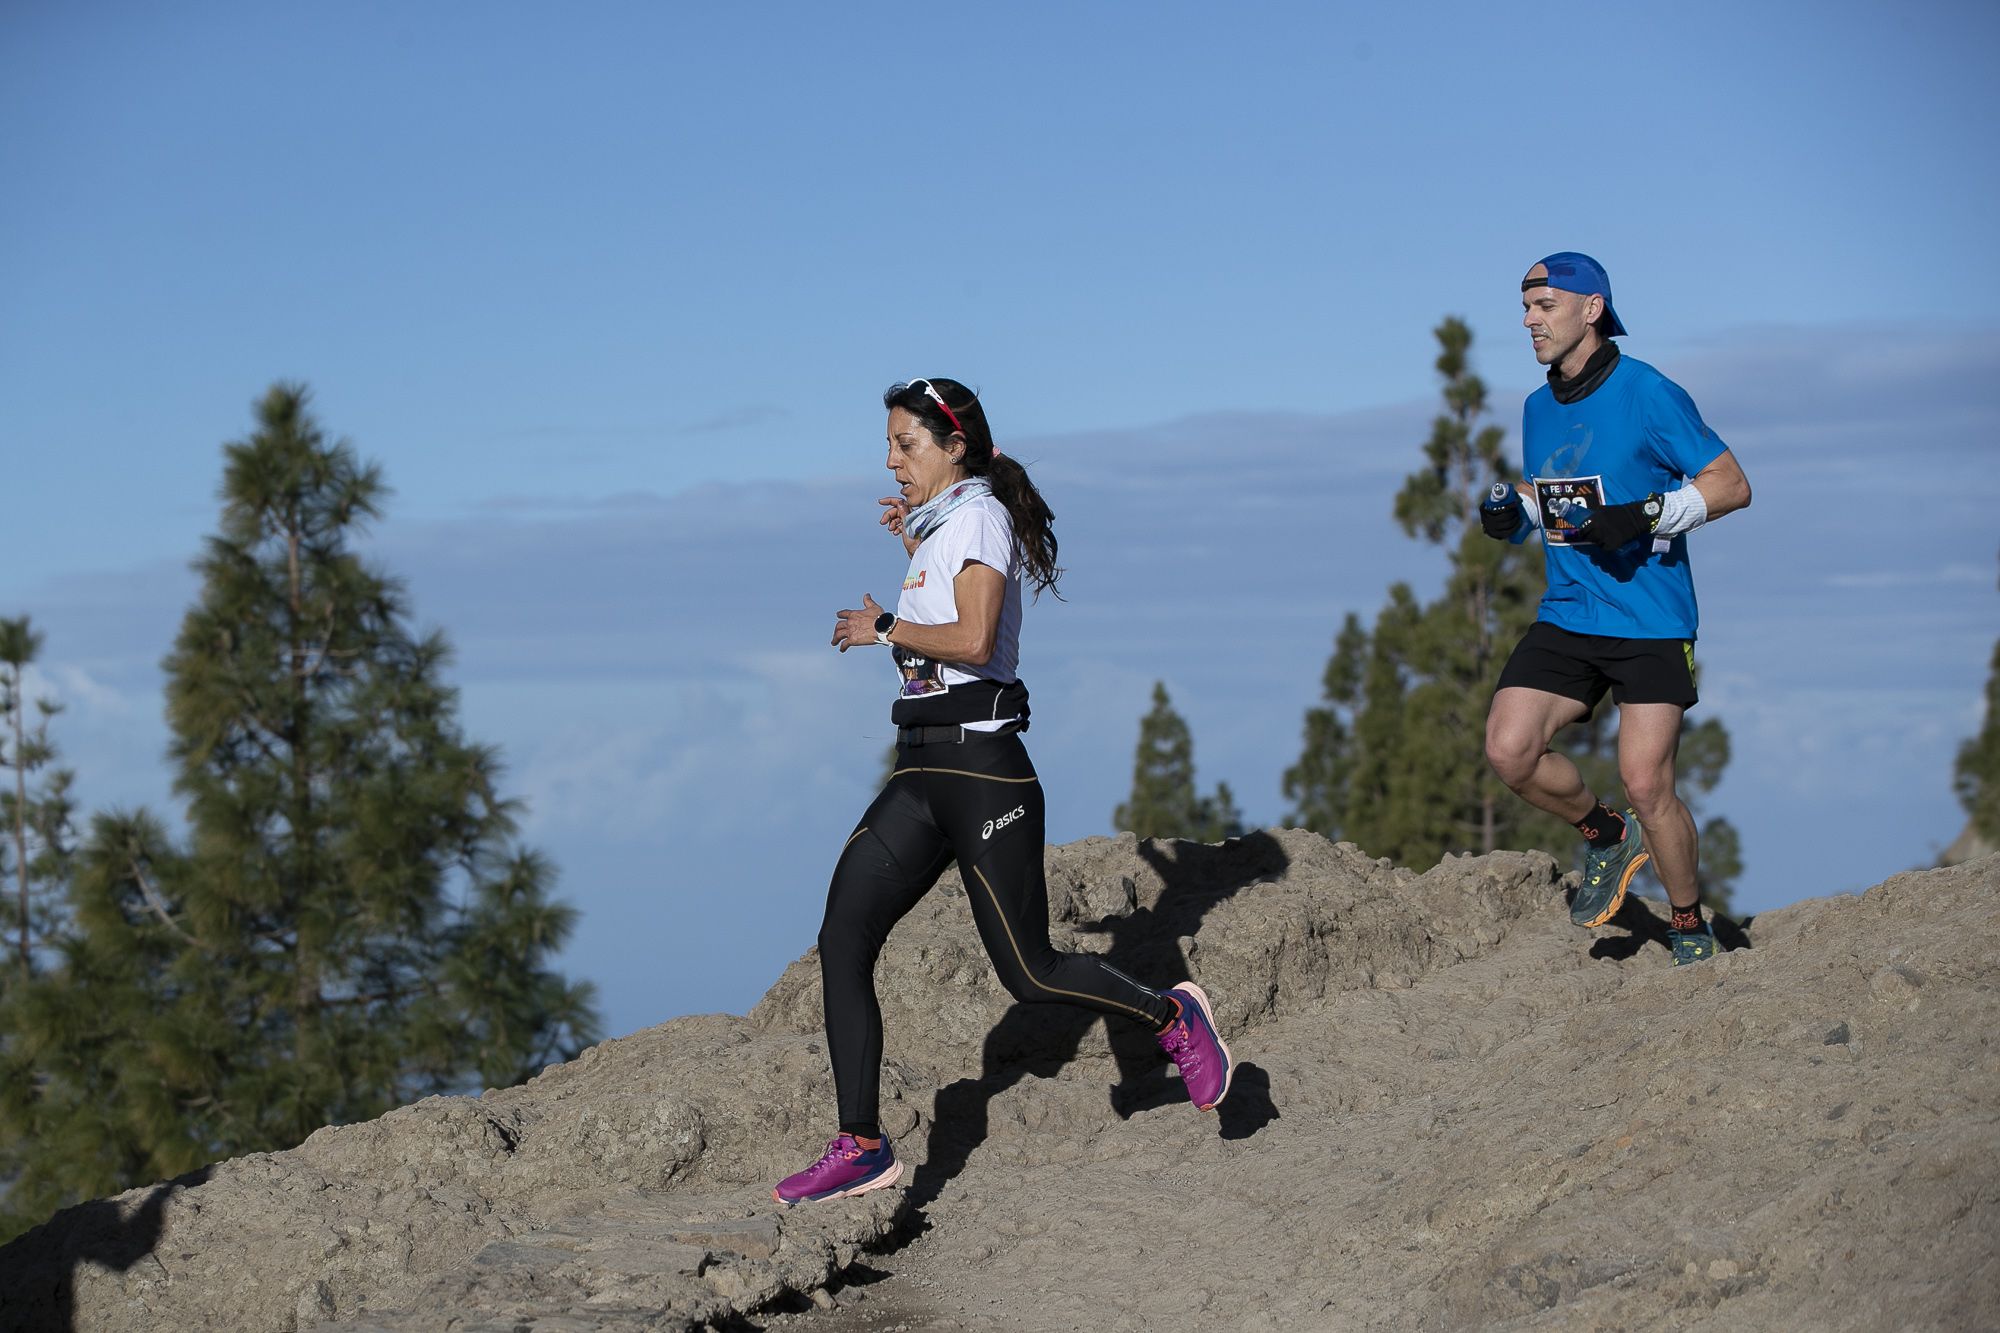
(1651, 792)
(1513, 755)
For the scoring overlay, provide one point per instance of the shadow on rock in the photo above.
(1249, 1107)
(1730, 935)
(1039, 1040)
(1642, 927)
(39, 1292)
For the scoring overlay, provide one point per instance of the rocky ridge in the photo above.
(1453, 1110)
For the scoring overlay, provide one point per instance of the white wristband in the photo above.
(1681, 511)
(882, 635)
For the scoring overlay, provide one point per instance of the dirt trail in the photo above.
(1453, 1110)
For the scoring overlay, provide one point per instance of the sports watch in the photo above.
(883, 624)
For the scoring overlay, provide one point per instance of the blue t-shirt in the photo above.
(1637, 433)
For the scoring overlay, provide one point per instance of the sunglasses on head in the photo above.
(933, 395)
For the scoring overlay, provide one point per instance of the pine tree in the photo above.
(1220, 817)
(1976, 774)
(1163, 803)
(349, 925)
(97, 1054)
(1394, 755)
(36, 812)
(36, 864)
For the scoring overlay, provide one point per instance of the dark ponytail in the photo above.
(1034, 521)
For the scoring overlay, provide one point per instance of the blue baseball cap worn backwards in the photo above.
(1579, 273)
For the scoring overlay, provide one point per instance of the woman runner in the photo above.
(963, 789)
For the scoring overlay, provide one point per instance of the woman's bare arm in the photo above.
(979, 592)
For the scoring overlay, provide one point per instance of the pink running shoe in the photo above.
(1197, 1048)
(845, 1168)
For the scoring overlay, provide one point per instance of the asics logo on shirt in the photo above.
(993, 826)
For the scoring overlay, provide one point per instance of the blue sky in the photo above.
(611, 293)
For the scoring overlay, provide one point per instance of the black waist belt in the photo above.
(948, 735)
(974, 701)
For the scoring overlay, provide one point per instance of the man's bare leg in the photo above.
(1519, 727)
(1518, 730)
(1649, 737)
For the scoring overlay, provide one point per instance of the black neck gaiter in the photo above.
(1601, 363)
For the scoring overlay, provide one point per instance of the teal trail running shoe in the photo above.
(1607, 873)
(1691, 946)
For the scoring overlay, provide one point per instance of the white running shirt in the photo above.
(978, 530)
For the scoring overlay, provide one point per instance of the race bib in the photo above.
(1555, 494)
(920, 675)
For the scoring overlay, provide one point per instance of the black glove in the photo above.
(1503, 519)
(1614, 525)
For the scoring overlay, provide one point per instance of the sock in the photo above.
(1602, 827)
(1687, 920)
(860, 1132)
(1167, 1027)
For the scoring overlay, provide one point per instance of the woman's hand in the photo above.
(856, 628)
(895, 509)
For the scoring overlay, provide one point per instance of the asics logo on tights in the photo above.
(993, 826)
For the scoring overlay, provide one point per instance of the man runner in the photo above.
(1607, 447)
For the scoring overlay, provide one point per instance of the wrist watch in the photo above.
(883, 624)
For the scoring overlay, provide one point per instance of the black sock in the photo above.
(1603, 826)
(860, 1130)
(1688, 919)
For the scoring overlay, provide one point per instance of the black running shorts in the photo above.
(1583, 666)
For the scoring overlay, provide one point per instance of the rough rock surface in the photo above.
(1453, 1110)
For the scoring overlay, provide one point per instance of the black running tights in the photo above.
(980, 802)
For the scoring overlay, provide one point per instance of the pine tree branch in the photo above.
(318, 655)
(250, 708)
(430, 989)
(159, 906)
